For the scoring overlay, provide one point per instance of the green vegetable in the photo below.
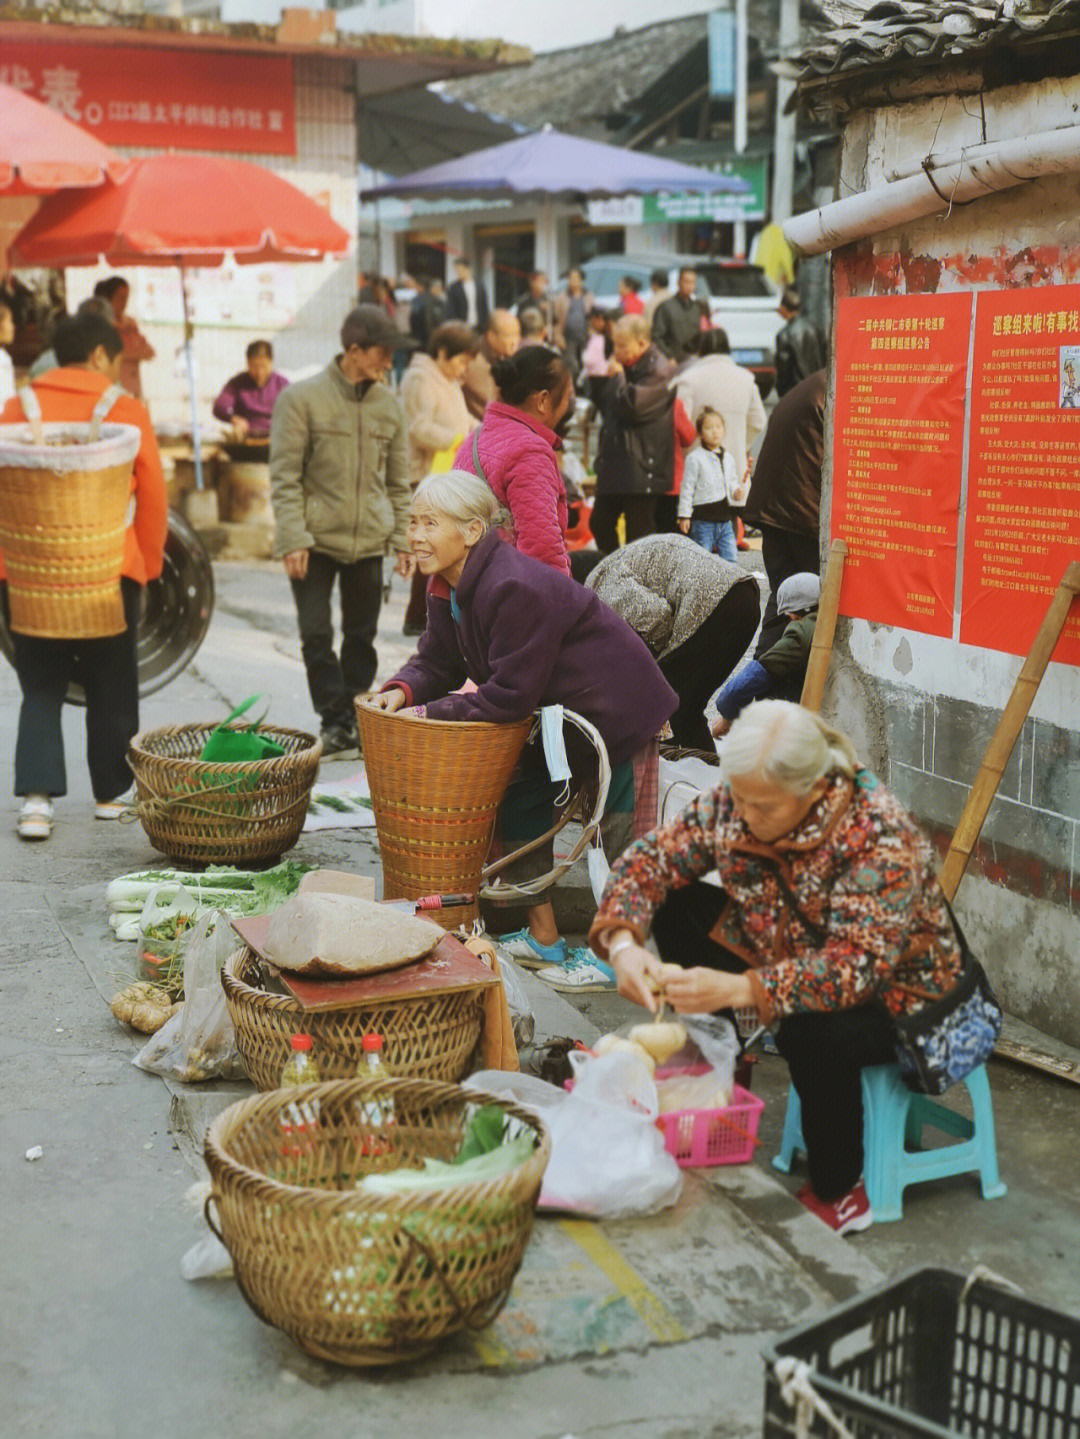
(237, 891)
(331, 801)
(484, 1133)
(436, 1174)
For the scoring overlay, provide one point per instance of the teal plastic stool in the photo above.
(893, 1122)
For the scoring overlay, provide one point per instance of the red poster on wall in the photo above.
(151, 98)
(1023, 505)
(898, 445)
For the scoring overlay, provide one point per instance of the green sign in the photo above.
(751, 205)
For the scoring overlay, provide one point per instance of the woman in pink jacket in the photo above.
(514, 450)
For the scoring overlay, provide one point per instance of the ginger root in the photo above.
(144, 1006)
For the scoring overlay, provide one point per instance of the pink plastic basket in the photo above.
(697, 1138)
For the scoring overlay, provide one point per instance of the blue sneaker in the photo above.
(582, 973)
(529, 952)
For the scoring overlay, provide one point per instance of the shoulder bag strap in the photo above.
(476, 454)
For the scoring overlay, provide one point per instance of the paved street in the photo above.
(650, 1327)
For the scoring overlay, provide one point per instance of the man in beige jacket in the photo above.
(714, 379)
(340, 489)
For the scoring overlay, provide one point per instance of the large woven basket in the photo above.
(204, 813)
(435, 788)
(433, 1036)
(63, 516)
(366, 1279)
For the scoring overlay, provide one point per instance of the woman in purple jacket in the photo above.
(527, 636)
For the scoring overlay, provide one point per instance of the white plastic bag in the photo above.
(198, 1042)
(608, 1159)
(678, 781)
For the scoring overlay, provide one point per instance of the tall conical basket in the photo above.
(435, 788)
(63, 514)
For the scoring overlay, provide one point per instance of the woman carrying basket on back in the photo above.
(527, 637)
(88, 350)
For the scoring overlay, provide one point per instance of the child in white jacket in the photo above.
(711, 490)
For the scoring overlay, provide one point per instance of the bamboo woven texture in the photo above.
(433, 1036)
(436, 786)
(366, 1279)
(234, 813)
(62, 537)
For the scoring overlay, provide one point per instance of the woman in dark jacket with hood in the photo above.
(527, 636)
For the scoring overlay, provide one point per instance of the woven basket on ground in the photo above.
(435, 788)
(366, 1279)
(433, 1036)
(63, 517)
(222, 813)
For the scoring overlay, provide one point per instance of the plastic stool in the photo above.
(893, 1119)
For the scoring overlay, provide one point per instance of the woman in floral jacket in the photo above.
(828, 903)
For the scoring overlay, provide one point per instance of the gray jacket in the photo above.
(665, 587)
(339, 474)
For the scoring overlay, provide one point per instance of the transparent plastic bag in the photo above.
(717, 1043)
(521, 1011)
(166, 923)
(198, 1043)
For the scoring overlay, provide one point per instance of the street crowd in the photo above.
(439, 434)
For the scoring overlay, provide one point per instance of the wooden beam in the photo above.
(1008, 729)
(817, 670)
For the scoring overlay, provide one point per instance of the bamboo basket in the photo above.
(433, 1036)
(63, 516)
(366, 1279)
(202, 813)
(436, 786)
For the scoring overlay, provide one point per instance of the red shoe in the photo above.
(846, 1215)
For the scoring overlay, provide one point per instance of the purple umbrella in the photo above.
(549, 165)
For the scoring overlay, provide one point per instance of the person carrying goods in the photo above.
(85, 386)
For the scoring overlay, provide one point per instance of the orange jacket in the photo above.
(70, 393)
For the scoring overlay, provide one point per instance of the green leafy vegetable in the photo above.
(485, 1132)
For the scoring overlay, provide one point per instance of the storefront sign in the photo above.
(150, 98)
(689, 208)
(901, 366)
(1023, 501)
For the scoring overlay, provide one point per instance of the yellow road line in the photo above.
(627, 1280)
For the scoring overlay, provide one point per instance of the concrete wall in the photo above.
(923, 708)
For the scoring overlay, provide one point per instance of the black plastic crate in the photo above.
(915, 1359)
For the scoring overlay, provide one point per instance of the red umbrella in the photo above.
(42, 151)
(188, 209)
(191, 209)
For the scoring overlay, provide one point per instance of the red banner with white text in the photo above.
(150, 98)
(898, 448)
(1023, 501)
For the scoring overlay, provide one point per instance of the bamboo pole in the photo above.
(1008, 729)
(817, 670)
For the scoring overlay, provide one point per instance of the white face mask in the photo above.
(551, 733)
(599, 869)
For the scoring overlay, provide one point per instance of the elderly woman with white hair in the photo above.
(527, 636)
(829, 922)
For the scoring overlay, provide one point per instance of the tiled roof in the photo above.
(887, 35)
(587, 89)
(596, 90)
